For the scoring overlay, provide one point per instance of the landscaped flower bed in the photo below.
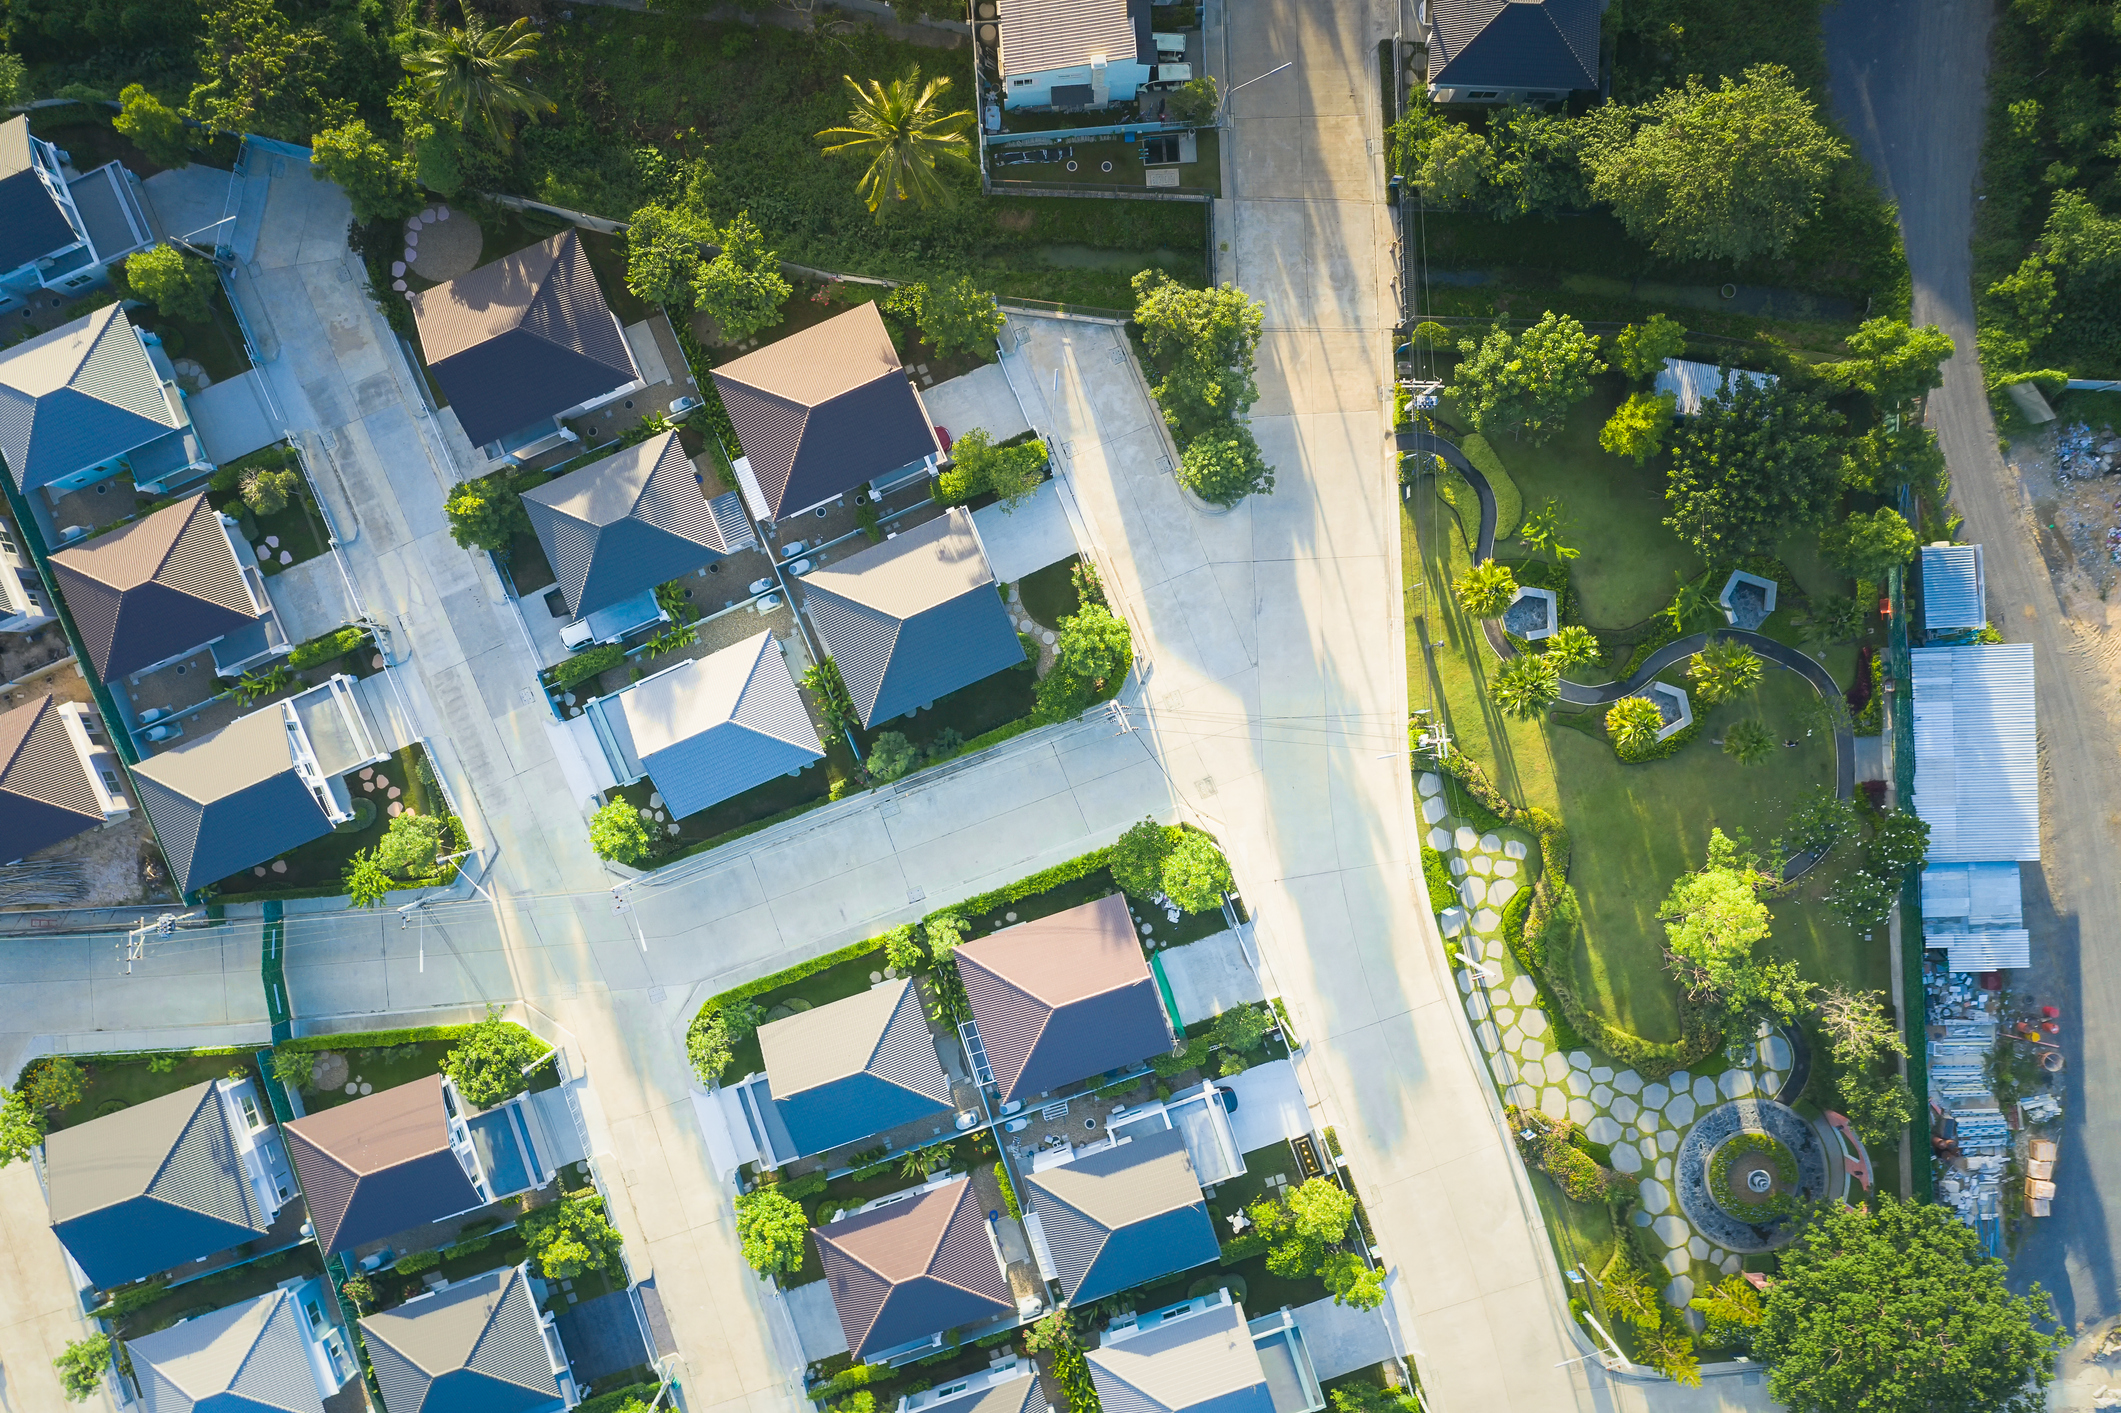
(1732, 1181)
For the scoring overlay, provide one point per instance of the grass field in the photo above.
(113, 1085)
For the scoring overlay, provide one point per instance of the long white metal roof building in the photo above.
(1977, 769)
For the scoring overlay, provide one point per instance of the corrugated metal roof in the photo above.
(151, 590)
(1062, 998)
(1978, 894)
(1202, 1363)
(823, 410)
(1954, 588)
(1691, 384)
(715, 726)
(522, 339)
(1123, 1216)
(1984, 949)
(914, 618)
(45, 794)
(379, 1165)
(477, 1347)
(1977, 768)
(626, 523)
(230, 800)
(913, 1269)
(78, 396)
(31, 224)
(1010, 1395)
(1040, 35)
(1546, 44)
(854, 1067)
(157, 1185)
(252, 1355)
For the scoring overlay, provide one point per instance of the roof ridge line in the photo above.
(211, 1095)
(751, 679)
(259, 1338)
(23, 744)
(171, 548)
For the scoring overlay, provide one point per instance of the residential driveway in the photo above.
(1907, 79)
(978, 400)
(39, 1315)
(310, 598)
(1028, 538)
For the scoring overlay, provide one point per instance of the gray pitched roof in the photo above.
(476, 1347)
(1012, 1395)
(823, 410)
(912, 1269)
(379, 1165)
(631, 521)
(1062, 998)
(522, 339)
(150, 1187)
(229, 800)
(1039, 35)
(78, 396)
(153, 589)
(247, 1358)
(1548, 44)
(713, 727)
(45, 794)
(914, 618)
(854, 1067)
(31, 224)
(1203, 1363)
(1124, 1215)
(1953, 588)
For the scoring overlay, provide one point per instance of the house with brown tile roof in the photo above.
(903, 1272)
(57, 776)
(385, 1163)
(1062, 998)
(822, 411)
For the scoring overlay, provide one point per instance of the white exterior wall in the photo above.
(1035, 90)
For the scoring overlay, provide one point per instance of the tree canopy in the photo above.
(1526, 383)
(663, 253)
(616, 833)
(1223, 466)
(487, 1064)
(1898, 1311)
(1642, 348)
(1203, 341)
(1639, 426)
(179, 284)
(1759, 459)
(901, 128)
(1724, 670)
(1485, 589)
(1893, 362)
(1868, 545)
(1527, 685)
(1196, 875)
(741, 289)
(770, 1228)
(1713, 918)
(1095, 650)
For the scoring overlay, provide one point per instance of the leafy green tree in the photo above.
(1669, 1349)
(83, 1366)
(1896, 1310)
(1485, 589)
(944, 932)
(1868, 545)
(1573, 646)
(178, 284)
(486, 514)
(1351, 1283)
(259, 74)
(1195, 873)
(1861, 898)
(1633, 724)
(1223, 466)
(1893, 362)
(771, 1227)
(365, 881)
(1639, 426)
(1138, 858)
(1713, 919)
(960, 317)
(1876, 1100)
(571, 1236)
(381, 184)
(1629, 1294)
(663, 253)
(473, 77)
(1321, 1210)
(1881, 461)
(1538, 165)
(153, 127)
(1194, 100)
(1525, 385)
(1457, 165)
(1642, 348)
(708, 1046)
(901, 129)
(1723, 670)
(1757, 460)
(14, 82)
(1899, 841)
(360, 1291)
(296, 1069)
(1692, 604)
(1242, 1028)
(1831, 618)
(1725, 173)
(1748, 742)
(1732, 1310)
(1095, 648)
(829, 691)
(53, 1083)
(412, 843)
(1866, 1047)
(267, 489)
(487, 1063)
(1527, 685)
(616, 833)
(741, 289)
(902, 950)
(1014, 473)
(891, 755)
(1204, 340)
(1542, 532)
(1820, 818)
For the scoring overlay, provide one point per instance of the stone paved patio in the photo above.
(1644, 1121)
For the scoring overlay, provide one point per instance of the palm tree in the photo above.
(897, 126)
(468, 76)
(1722, 670)
(1527, 685)
(1633, 723)
(1691, 604)
(1573, 646)
(1748, 742)
(1486, 589)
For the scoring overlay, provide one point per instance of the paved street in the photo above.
(1906, 75)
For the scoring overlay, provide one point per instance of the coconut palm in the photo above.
(1543, 529)
(1486, 589)
(1633, 723)
(1527, 685)
(898, 127)
(1691, 604)
(1573, 646)
(468, 76)
(1722, 670)
(1748, 742)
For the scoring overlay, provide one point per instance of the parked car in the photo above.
(942, 436)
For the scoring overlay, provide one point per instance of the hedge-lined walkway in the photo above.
(1642, 1121)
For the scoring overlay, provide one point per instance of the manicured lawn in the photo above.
(297, 526)
(776, 796)
(1582, 1232)
(834, 983)
(223, 1289)
(216, 345)
(381, 1068)
(1636, 828)
(321, 863)
(124, 1083)
(1049, 594)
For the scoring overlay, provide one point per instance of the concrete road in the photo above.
(1908, 80)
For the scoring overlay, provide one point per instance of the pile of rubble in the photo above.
(1967, 1125)
(2081, 453)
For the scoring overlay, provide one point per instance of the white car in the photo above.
(760, 586)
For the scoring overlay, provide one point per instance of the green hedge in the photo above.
(325, 647)
(591, 662)
(1244, 1248)
(378, 1039)
(616, 1399)
(1443, 888)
